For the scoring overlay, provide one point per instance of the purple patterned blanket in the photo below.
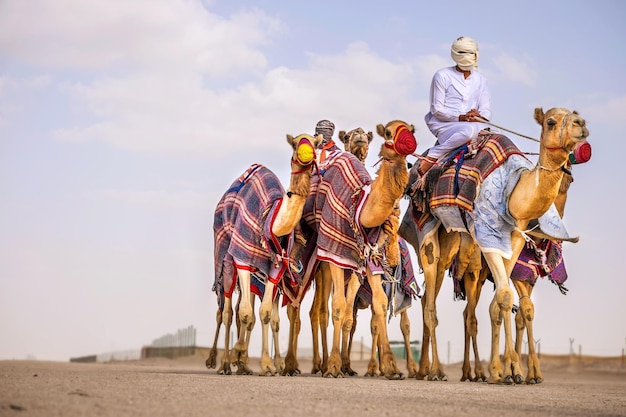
(242, 230)
(544, 259)
(454, 182)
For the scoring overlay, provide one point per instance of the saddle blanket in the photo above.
(242, 227)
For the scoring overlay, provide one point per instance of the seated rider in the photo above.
(459, 98)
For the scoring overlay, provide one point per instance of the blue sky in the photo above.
(122, 123)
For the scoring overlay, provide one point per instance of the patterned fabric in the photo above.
(242, 229)
(326, 128)
(333, 206)
(458, 184)
(400, 286)
(540, 260)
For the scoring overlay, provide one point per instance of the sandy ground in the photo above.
(184, 387)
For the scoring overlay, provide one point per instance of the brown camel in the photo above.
(343, 218)
(253, 226)
(531, 197)
(357, 142)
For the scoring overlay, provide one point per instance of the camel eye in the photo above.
(388, 133)
(551, 122)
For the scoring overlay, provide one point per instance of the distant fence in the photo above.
(181, 343)
(182, 338)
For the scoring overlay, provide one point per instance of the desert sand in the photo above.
(184, 387)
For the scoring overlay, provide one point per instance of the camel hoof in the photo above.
(519, 379)
(225, 370)
(210, 364)
(508, 380)
(349, 371)
(538, 380)
(395, 377)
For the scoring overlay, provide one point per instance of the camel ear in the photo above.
(380, 129)
(370, 136)
(539, 115)
(342, 136)
(290, 140)
(412, 128)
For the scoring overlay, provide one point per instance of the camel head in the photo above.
(399, 139)
(561, 131)
(357, 142)
(304, 148)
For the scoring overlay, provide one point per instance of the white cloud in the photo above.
(99, 34)
(513, 69)
(152, 111)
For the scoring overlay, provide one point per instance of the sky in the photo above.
(123, 123)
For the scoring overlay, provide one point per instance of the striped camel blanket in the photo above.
(543, 259)
(332, 210)
(242, 228)
(459, 183)
(400, 286)
(455, 180)
(329, 222)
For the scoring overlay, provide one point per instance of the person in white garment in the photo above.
(458, 96)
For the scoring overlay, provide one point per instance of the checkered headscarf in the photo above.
(325, 128)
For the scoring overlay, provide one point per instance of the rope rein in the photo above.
(480, 119)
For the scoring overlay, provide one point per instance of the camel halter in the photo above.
(306, 143)
(297, 159)
(403, 142)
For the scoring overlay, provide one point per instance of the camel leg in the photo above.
(211, 361)
(352, 330)
(449, 244)
(265, 315)
(348, 325)
(279, 362)
(524, 319)
(379, 312)
(327, 286)
(508, 370)
(473, 283)
(314, 315)
(338, 315)
(429, 255)
(246, 320)
(291, 362)
(227, 318)
(373, 364)
(405, 328)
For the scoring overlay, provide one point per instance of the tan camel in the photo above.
(377, 207)
(530, 198)
(526, 312)
(524, 316)
(253, 227)
(357, 142)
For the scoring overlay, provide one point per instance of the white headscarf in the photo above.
(465, 53)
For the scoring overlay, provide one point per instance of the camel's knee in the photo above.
(504, 298)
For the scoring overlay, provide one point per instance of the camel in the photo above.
(533, 191)
(253, 226)
(345, 220)
(524, 315)
(357, 142)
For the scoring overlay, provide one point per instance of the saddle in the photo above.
(454, 180)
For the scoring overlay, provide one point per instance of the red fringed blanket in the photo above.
(242, 229)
